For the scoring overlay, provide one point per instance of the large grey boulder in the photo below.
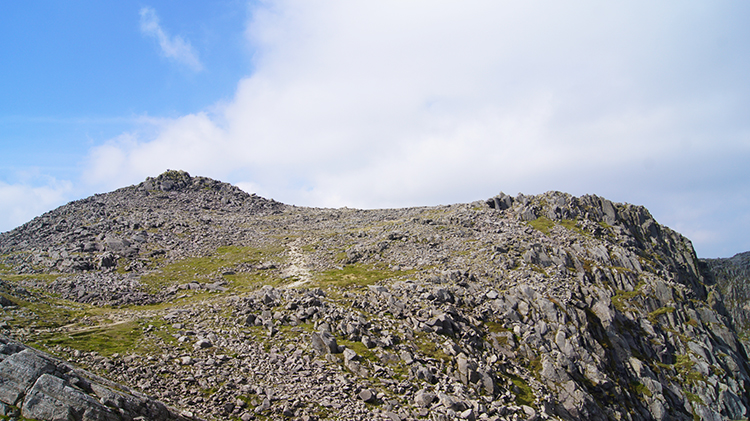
(47, 389)
(51, 399)
(19, 371)
(324, 343)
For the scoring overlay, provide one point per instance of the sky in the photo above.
(378, 104)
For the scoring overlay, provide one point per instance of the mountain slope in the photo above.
(732, 279)
(230, 305)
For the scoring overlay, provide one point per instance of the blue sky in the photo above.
(385, 104)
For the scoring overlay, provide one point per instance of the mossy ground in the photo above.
(205, 269)
(427, 346)
(353, 276)
(123, 337)
(524, 393)
(546, 225)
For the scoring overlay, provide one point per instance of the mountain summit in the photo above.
(226, 305)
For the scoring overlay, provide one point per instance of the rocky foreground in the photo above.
(42, 387)
(190, 292)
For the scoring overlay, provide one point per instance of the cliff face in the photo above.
(539, 307)
(731, 278)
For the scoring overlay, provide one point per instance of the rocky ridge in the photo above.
(732, 279)
(229, 305)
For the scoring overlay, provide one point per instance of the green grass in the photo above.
(684, 367)
(535, 365)
(309, 248)
(542, 224)
(641, 389)
(572, 225)
(120, 338)
(45, 277)
(494, 327)
(47, 314)
(545, 225)
(654, 315)
(693, 398)
(196, 269)
(525, 395)
(428, 347)
(620, 297)
(604, 225)
(359, 348)
(355, 275)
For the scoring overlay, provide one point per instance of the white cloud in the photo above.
(418, 103)
(21, 202)
(175, 47)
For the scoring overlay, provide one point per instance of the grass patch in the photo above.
(245, 282)
(494, 327)
(572, 225)
(684, 367)
(120, 338)
(309, 248)
(641, 389)
(196, 269)
(620, 297)
(538, 269)
(359, 348)
(524, 394)
(535, 365)
(545, 225)
(693, 398)
(428, 347)
(45, 277)
(357, 275)
(47, 314)
(654, 315)
(542, 224)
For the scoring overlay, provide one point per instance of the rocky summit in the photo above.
(186, 298)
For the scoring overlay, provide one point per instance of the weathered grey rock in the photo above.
(324, 343)
(51, 399)
(406, 357)
(467, 369)
(450, 402)
(49, 390)
(368, 342)
(5, 302)
(423, 398)
(203, 344)
(366, 395)
(18, 372)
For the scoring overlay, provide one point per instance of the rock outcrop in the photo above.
(730, 279)
(35, 385)
(527, 307)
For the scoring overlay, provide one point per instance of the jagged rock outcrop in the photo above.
(527, 307)
(35, 385)
(730, 279)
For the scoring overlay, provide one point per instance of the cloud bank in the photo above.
(21, 201)
(175, 47)
(381, 104)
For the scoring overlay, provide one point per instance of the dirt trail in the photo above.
(298, 266)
